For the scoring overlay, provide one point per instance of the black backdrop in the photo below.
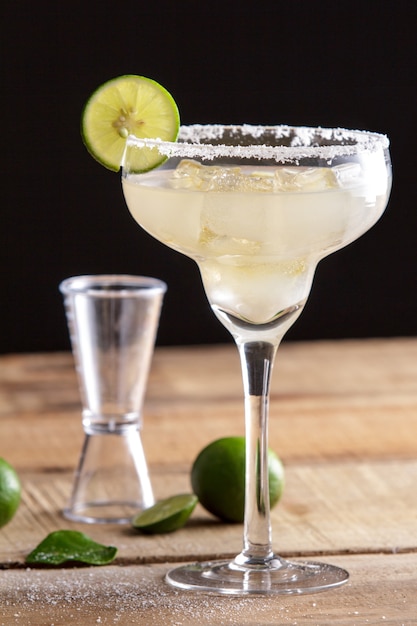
(350, 64)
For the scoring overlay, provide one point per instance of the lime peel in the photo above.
(166, 515)
(10, 492)
(62, 546)
(218, 478)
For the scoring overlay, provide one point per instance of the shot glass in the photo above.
(112, 321)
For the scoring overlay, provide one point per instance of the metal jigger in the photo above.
(112, 322)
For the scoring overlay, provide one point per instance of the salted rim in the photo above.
(188, 144)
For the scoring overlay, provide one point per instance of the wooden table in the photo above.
(344, 421)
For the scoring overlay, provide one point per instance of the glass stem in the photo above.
(257, 359)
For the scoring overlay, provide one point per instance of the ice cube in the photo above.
(225, 227)
(192, 175)
(260, 181)
(347, 174)
(223, 244)
(223, 179)
(187, 175)
(304, 179)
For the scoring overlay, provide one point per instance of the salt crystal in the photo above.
(205, 141)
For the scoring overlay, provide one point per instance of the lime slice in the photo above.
(71, 545)
(166, 515)
(128, 105)
(10, 491)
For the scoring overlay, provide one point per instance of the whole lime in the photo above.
(10, 492)
(218, 478)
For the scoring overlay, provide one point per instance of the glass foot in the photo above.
(279, 577)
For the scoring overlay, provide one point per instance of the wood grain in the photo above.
(327, 509)
(382, 590)
(344, 421)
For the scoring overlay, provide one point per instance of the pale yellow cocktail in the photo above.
(256, 233)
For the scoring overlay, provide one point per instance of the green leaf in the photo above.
(70, 545)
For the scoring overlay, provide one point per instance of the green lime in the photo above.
(10, 492)
(166, 515)
(62, 546)
(128, 105)
(218, 478)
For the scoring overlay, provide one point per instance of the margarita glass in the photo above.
(257, 207)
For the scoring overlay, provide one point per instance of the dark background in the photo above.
(350, 64)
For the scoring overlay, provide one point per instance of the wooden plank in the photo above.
(312, 430)
(330, 400)
(380, 591)
(326, 509)
(46, 382)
